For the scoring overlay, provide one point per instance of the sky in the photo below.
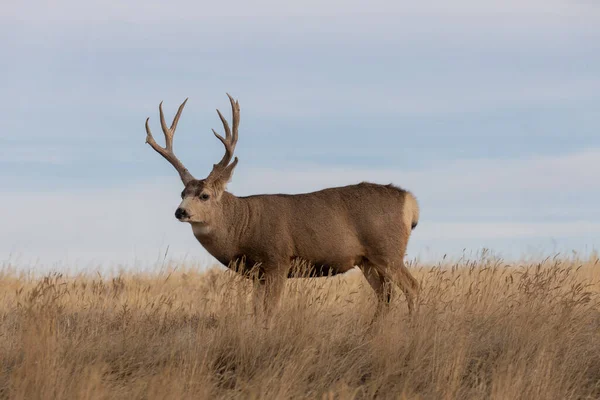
(489, 112)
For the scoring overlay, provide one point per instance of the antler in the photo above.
(230, 140)
(167, 151)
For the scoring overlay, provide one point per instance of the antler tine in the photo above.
(225, 125)
(235, 111)
(167, 151)
(231, 136)
(165, 129)
(169, 132)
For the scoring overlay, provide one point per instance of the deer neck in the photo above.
(222, 238)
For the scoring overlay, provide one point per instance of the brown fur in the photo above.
(333, 230)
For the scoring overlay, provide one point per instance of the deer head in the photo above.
(201, 199)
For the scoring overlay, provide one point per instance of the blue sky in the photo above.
(488, 112)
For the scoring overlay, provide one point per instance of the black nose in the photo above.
(180, 213)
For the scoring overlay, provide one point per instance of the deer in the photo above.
(333, 230)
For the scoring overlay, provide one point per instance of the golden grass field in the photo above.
(484, 330)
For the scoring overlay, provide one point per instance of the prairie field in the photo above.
(484, 329)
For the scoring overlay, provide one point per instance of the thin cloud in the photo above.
(538, 175)
(156, 11)
(136, 221)
(104, 66)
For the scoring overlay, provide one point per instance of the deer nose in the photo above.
(180, 213)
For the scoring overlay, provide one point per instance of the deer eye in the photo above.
(182, 195)
(204, 196)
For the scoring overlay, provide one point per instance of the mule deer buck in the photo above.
(366, 225)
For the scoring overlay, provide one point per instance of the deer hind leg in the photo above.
(409, 285)
(379, 285)
(398, 274)
(401, 276)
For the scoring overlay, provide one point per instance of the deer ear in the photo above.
(225, 175)
(228, 173)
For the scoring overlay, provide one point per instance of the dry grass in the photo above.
(483, 330)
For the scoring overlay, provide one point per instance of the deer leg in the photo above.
(257, 276)
(267, 292)
(398, 274)
(258, 296)
(274, 285)
(379, 286)
(401, 276)
(412, 285)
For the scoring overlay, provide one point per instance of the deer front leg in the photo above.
(267, 291)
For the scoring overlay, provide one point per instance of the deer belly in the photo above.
(337, 251)
(321, 267)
